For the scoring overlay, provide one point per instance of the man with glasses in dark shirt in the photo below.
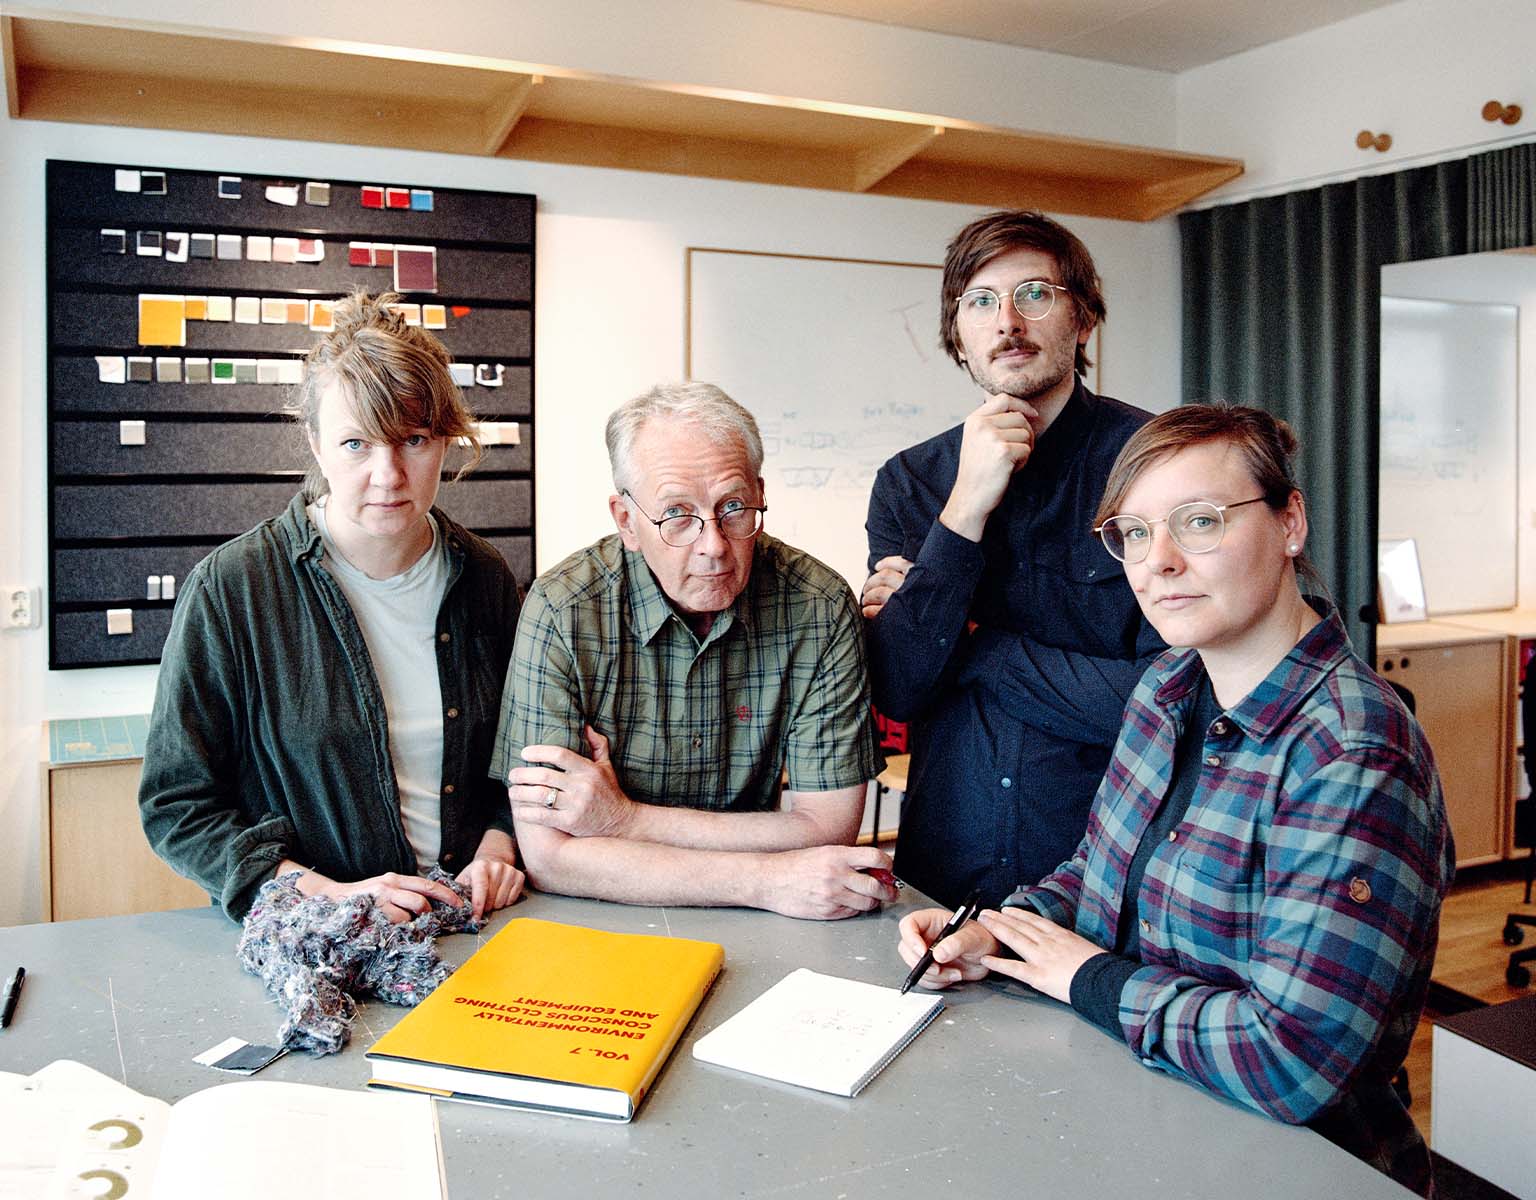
(998, 627)
(686, 717)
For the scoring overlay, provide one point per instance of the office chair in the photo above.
(1517, 974)
(893, 737)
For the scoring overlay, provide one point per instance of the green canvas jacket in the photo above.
(268, 738)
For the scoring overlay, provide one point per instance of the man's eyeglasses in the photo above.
(1033, 300)
(1196, 528)
(738, 522)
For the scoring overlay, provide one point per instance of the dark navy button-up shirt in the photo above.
(1011, 658)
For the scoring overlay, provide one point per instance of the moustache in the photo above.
(1014, 343)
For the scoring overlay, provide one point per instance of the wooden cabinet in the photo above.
(1461, 683)
(1518, 627)
(96, 861)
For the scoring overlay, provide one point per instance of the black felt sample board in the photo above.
(149, 474)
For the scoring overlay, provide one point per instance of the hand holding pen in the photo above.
(923, 932)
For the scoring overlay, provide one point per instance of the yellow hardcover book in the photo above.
(552, 1017)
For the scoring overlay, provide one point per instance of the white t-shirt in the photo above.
(398, 617)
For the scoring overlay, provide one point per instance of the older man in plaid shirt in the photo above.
(666, 679)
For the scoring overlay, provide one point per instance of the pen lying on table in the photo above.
(12, 994)
(967, 911)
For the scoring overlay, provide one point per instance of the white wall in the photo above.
(1493, 279)
(609, 324)
(1420, 70)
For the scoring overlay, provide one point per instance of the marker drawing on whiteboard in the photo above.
(906, 324)
(807, 477)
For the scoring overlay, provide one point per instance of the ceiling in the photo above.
(1163, 35)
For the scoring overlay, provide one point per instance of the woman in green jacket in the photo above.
(329, 691)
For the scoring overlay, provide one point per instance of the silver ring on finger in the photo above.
(549, 797)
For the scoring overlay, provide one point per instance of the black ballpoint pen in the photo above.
(12, 994)
(966, 912)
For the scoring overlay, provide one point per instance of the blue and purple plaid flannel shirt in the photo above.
(1289, 924)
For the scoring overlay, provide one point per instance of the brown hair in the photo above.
(1267, 444)
(396, 376)
(1020, 229)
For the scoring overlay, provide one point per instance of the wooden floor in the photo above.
(1471, 958)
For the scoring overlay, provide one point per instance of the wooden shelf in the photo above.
(1513, 622)
(1415, 635)
(59, 70)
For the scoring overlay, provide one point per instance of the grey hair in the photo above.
(720, 418)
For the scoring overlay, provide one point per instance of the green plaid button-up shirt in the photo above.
(780, 681)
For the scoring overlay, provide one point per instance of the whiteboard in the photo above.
(1449, 399)
(839, 362)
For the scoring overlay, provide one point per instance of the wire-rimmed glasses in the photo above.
(1033, 300)
(1196, 528)
(738, 522)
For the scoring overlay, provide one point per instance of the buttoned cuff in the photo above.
(1044, 901)
(944, 549)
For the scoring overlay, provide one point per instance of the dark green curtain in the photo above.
(1501, 199)
(1282, 310)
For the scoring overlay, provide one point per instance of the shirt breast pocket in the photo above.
(1085, 591)
(1214, 909)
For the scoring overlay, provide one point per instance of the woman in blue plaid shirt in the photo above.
(1255, 904)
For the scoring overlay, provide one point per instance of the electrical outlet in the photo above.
(21, 606)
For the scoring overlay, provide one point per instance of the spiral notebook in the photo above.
(819, 1031)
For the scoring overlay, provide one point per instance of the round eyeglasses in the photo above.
(1033, 300)
(738, 522)
(1196, 528)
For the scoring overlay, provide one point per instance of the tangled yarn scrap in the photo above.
(315, 954)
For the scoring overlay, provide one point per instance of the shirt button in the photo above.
(1146, 925)
(1213, 760)
(1006, 782)
(697, 741)
(447, 789)
(1219, 727)
(452, 712)
(1173, 835)
(443, 637)
(447, 858)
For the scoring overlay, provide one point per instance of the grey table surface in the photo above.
(1006, 1093)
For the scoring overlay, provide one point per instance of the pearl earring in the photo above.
(1293, 548)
